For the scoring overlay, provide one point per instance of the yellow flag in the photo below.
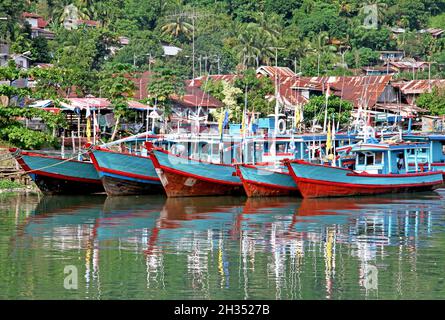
(297, 116)
(89, 129)
(220, 123)
(329, 139)
(243, 123)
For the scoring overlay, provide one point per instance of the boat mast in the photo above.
(326, 108)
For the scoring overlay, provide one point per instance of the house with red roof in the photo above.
(38, 25)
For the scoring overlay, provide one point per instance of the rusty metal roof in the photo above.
(403, 109)
(195, 97)
(360, 90)
(408, 64)
(272, 72)
(198, 81)
(419, 86)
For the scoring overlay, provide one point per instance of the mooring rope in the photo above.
(17, 155)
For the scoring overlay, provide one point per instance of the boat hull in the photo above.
(259, 182)
(439, 167)
(182, 177)
(315, 181)
(125, 174)
(54, 175)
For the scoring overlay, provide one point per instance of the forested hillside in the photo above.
(313, 37)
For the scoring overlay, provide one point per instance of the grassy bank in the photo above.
(8, 186)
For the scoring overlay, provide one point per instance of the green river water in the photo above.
(389, 247)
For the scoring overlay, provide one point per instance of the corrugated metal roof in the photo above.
(171, 50)
(195, 97)
(272, 72)
(360, 90)
(419, 86)
(288, 96)
(197, 82)
(408, 64)
(403, 109)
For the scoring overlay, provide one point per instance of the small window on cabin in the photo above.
(378, 158)
(361, 159)
(281, 148)
(369, 159)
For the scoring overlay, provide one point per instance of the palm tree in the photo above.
(177, 26)
(269, 25)
(381, 8)
(346, 7)
(247, 48)
(320, 45)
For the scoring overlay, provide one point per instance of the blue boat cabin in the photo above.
(391, 158)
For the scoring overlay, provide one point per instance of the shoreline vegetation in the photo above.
(8, 186)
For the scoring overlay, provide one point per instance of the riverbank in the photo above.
(8, 186)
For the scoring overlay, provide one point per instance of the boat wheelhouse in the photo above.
(185, 177)
(435, 157)
(378, 169)
(272, 178)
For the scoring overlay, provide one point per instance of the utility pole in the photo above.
(276, 90)
(219, 66)
(193, 16)
(205, 58)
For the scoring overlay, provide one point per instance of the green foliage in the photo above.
(322, 17)
(26, 138)
(437, 21)
(165, 83)
(338, 109)
(228, 35)
(15, 132)
(10, 72)
(434, 101)
(257, 90)
(362, 57)
(8, 114)
(233, 95)
(375, 39)
(40, 50)
(8, 184)
(138, 51)
(10, 9)
(52, 82)
(84, 49)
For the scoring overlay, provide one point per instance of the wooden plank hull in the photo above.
(179, 185)
(115, 186)
(55, 175)
(52, 186)
(259, 182)
(125, 174)
(316, 181)
(183, 177)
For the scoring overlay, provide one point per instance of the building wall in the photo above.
(33, 22)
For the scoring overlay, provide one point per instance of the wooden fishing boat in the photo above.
(56, 175)
(125, 173)
(266, 181)
(379, 169)
(185, 177)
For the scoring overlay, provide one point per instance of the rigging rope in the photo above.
(17, 155)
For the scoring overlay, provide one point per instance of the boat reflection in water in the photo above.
(237, 248)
